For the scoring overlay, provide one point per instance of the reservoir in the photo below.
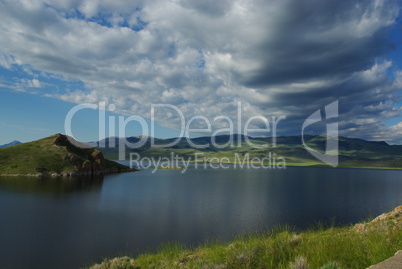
(75, 222)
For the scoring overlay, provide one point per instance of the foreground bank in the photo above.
(358, 246)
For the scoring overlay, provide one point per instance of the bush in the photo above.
(299, 263)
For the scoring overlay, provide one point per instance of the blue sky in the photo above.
(279, 58)
(30, 117)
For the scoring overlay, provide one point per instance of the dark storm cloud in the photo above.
(288, 57)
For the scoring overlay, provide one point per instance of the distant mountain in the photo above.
(15, 142)
(353, 152)
(56, 155)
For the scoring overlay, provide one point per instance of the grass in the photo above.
(46, 156)
(31, 157)
(283, 247)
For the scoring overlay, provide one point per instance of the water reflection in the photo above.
(73, 222)
(50, 185)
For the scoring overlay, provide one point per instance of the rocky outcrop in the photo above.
(87, 160)
(389, 220)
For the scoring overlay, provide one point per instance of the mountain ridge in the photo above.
(353, 152)
(12, 143)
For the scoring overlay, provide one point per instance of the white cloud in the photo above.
(282, 57)
(7, 61)
(34, 83)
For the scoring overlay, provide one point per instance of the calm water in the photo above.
(48, 223)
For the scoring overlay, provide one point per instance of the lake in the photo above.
(71, 223)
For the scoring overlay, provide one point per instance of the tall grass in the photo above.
(283, 247)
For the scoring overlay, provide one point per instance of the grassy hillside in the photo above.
(352, 152)
(54, 155)
(357, 247)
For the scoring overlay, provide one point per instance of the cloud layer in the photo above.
(278, 58)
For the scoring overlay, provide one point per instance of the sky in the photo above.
(278, 58)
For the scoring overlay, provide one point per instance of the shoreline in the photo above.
(361, 245)
(206, 163)
(71, 174)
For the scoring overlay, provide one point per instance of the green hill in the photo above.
(55, 155)
(353, 152)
